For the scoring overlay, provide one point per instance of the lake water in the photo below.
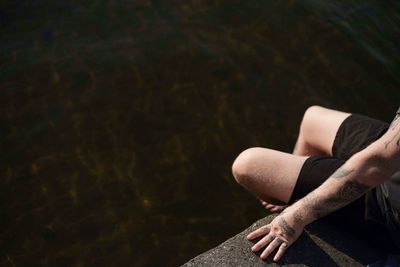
(120, 120)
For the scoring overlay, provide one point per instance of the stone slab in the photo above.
(320, 245)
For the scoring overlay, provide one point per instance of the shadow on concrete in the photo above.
(320, 245)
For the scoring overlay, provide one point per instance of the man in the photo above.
(344, 166)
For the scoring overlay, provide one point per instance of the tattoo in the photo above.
(393, 127)
(297, 217)
(341, 172)
(348, 192)
(289, 231)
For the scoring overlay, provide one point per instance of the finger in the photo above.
(282, 249)
(259, 232)
(271, 247)
(263, 242)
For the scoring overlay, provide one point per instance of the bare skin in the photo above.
(363, 171)
(272, 207)
(316, 135)
(268, 174)
(318, 130)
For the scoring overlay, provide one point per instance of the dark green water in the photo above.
(120, 120)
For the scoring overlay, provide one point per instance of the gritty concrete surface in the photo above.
(320, 245)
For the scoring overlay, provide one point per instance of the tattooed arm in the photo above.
(360, 173)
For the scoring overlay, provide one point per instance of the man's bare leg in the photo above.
(268, 174)
(317, 133)
(272, 207)
(316, 136)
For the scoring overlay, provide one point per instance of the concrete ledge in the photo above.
(320, 245)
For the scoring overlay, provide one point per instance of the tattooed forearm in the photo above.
(394, 127)
(395, 138)
(348, 192)
(289, 231)
(341, 172)
(297, 218)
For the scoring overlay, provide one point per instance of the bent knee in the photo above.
(243, 166)
(311, 115)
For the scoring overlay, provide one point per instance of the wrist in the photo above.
(296, 216)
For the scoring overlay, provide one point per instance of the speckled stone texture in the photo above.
(320, 245)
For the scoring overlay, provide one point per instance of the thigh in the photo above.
(269, 174)
(319, 128)
(314, 172)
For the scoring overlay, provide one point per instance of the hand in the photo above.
(279, 234)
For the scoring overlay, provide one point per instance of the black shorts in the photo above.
(363, 216)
